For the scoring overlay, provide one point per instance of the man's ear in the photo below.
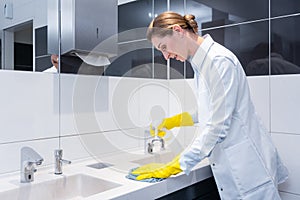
(177, 28)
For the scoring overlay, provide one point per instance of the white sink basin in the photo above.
(70, 187)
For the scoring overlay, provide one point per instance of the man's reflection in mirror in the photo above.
(260, 62)
(54, 61)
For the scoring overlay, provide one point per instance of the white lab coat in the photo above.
(51, 70)
(244, 161)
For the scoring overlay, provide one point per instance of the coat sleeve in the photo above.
(221, 79)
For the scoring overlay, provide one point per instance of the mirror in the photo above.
(18, 47)
(25, 38)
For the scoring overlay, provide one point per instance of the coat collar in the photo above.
(199, 57)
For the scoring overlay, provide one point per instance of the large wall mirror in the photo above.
(244, 28)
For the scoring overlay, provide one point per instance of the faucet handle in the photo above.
(65, 161)
(58, 153)
(38, 162)
(59, 161)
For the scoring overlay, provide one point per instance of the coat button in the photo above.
(213, 164)
(221, 189)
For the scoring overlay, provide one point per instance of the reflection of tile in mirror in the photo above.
(285, 47)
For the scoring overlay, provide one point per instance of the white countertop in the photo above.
(127, 189)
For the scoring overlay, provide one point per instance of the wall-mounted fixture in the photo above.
(8, 10)
(84, 25)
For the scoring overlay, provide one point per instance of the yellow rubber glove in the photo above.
(158, 170)
(183, 119)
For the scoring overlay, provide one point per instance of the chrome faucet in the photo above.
(29, 160)
(155, 139)
(157, 114)
(58, 153)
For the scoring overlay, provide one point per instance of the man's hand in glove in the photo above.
(158, 170)
(183, 119)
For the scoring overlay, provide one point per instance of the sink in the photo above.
(69, 187)
(156, 158)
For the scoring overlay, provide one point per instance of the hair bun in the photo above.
(190, 19)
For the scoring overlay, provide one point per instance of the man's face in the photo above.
(54, 60)
(171, 46)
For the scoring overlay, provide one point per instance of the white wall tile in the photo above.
(285, 98)
(123, 97)
(80, 95)
(98, 144)
(11, 153)
(91, 104)
(288, 148)
(259, 89)
(190, 101)
(74, 148)
(29, 105)
(154, 98)
(67, 83)
(176, 96)
(85, 104)
(126, 139)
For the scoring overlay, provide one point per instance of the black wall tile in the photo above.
(249, 42)
(284, 7)
(285, 45)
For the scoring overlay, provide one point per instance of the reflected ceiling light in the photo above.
(150, 15)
